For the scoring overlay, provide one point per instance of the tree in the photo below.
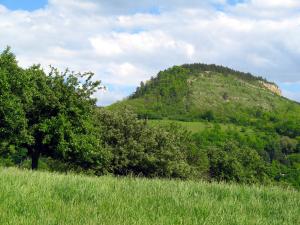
(288, 145)
(60, 118)
(225, 96)
(208, 115)
(54, 114)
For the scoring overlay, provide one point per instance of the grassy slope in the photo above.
(198, 126)
(207, 93)
(43, 198)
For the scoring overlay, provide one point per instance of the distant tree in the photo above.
(225, 96)
(288, 127)
(298, 145)
(208, 115)
(288, 145)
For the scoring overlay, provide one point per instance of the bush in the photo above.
(234, 164)
(149, 151)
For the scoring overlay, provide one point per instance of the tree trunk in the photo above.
(35, 159)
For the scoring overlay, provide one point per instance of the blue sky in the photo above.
(37, 4)
(24, 4)
(125, 41)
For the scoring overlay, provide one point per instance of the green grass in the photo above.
(190, 126)
(198, 126)
(43, 198)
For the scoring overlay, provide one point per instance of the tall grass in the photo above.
(38, 198)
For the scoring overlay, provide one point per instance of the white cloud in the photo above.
(125, 74)
(105, 46)
(139, 43)
(108, 96)
(272, 9)
(274, 4)
(131, 42)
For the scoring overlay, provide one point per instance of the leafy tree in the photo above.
(52, 116)
(288, 145)
(289, 127)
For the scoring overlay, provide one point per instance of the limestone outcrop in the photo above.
(272, 87)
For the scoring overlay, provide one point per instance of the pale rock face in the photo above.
(272, 87)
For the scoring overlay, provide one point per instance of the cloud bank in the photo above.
(125, 42)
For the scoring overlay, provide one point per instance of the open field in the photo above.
(198, 126)
(190, 126)
(35, 198)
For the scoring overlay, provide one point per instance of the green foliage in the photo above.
(288, 145)
(13, 123)
(289, 127)
(149, 151)
(243, 154)
(231, 163)
(168, 90)
(233, 156)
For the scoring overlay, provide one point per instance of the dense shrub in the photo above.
(149, 151)
(232, 163)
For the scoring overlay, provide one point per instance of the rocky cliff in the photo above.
(272, 87)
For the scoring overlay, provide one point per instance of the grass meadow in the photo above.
(38, 198)
(197, 126)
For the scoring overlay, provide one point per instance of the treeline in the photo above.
(200, 67)
(170, 83)
(165, 95)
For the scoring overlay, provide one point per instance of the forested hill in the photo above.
(198, 92)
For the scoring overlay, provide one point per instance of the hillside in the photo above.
(209, 92)
(32, 198)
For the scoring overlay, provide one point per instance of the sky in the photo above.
(125, 42)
